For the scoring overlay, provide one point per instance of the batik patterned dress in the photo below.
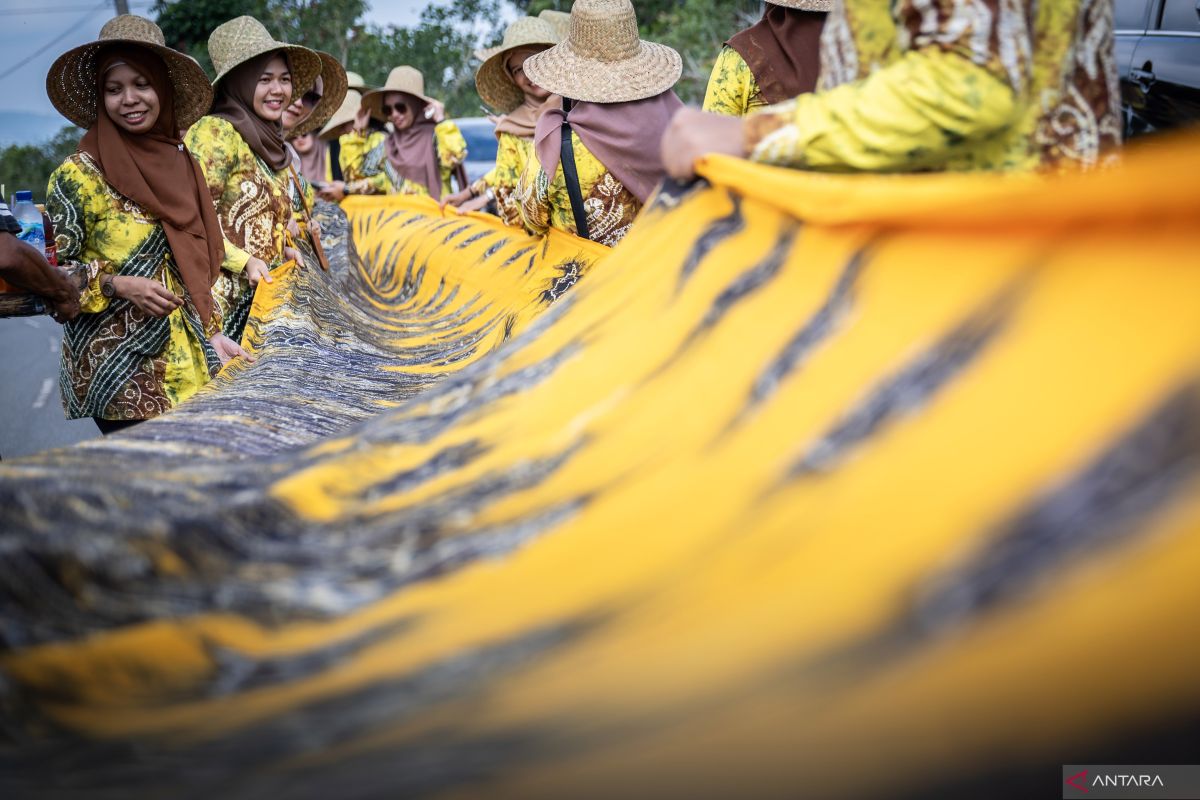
(951, 85)
(367, 169)
(118, 362)
(610, 207)
(732, 89)
(500, 183)
(253, 208)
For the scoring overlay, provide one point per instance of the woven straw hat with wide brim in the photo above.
(351, 103)
(603, 60)
(804, 5)
(492, 80)
(559, 20)
(406, 79)
(333, 92)
(244, 38)
(71, 82)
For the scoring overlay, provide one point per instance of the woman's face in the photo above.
(274, 90)
(129, 99)
(302, 107)
(516, 64)
(304, 143)
(399, 109)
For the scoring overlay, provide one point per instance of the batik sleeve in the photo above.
(731, 85)
(962, 78)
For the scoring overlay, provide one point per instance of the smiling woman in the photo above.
(131, 213)
(241, 149)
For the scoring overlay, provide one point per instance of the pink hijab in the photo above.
(623, 136)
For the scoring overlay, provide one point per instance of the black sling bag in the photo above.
(571, 175)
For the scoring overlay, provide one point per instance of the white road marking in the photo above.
(44, 394)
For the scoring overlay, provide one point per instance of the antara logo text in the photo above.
(1127, 780)
(1079, 781)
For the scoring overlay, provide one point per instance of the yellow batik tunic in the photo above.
(545, 204)
(118, 362)
(367, 170)
(946, 85)
(253, 208)
(512, 154)
(732, 89)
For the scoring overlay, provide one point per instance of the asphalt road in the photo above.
(31, 414)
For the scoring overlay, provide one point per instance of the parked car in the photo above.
(481, 145)
(1158, 59)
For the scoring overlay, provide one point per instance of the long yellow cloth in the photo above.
(814, 486)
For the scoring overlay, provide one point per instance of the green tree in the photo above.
(697, 28)
(28, 166)
(186, 24)
(440, 45)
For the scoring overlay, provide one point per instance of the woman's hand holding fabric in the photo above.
(148, 295)
(333, 192)
(291, 254)
(693, 133)
(257, 270)
(227, 349)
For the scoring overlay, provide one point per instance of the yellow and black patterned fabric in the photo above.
(821, 486)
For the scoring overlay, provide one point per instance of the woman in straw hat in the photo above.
(423, 149)
(598, 158)
(502, 83)
(305, 114)
(776, 59)
(241, 149)
(132, 207)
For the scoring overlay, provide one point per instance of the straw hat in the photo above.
(603, 60)
(406, 79)
(804, 5)
(492, 80)
(241, 39)
(345, 113)
(355, 81)
(333, 91)
(560, 20)
(71, 81)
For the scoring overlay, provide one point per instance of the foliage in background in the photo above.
(28, 166)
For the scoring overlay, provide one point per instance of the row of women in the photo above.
(589, 125)
(181, 198)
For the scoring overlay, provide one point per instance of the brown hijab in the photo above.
(783, 50)
(623, 136)
(411, 151)
(156, 171)
(522, 120)
(235, 103)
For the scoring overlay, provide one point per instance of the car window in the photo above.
(1180, 16)
(1131, 15)
(481, 141)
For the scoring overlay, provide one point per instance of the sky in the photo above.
(35, 32)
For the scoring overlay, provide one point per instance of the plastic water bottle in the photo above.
(30, 218)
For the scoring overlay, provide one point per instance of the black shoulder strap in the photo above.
(335, 157)
(572, 177)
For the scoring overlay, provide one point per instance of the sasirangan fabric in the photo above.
(367, 169)
(832, 486)
(947, 85)
(545, 204)
(119, 362)
(513, 153)
(253, 206)
(732, 89)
